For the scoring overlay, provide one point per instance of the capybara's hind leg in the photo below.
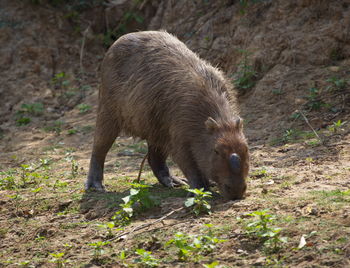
(156, 159)
(105, 133)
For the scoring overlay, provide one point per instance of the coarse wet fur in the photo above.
(155, 88)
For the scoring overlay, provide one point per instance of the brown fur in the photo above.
(155, 88)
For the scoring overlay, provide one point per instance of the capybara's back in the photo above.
(155, 88)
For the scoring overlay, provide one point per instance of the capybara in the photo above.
(155, 88)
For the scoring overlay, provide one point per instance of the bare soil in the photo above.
(50, 54)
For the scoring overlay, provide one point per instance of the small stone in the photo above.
(314, 211)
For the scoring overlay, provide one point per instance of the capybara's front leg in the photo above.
(157, 161)
(188, 166)
(105, 133)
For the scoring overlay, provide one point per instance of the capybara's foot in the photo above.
(179, 182)
(166, 181)
(94, 186)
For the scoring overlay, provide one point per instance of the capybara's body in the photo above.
(155, 88)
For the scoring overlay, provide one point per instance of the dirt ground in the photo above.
(296, 110)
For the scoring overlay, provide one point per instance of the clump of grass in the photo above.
(244, 78)
(84, 108)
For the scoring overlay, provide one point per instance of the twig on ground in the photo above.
(308, 123)
(143, 226)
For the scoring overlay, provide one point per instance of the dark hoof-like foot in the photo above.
(94, 186)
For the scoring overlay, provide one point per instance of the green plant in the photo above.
(8, 181)
(72, 131)
(259, 173)
(36, 108)
(182, 243)
(337, 83)
(22, 121)
(194, 245)
(145, 258)
(198, 202)
(74, 169)
(139, 197)
(58, 258)
(84, 108)
(244, 77)
(336, 126)
(206, 243)
(260, 227)
(27, 177)
(56, 127)
(60, 80)
(314, 101)
(110, 227)
(16, 198)
(213, 264)
(98, 248)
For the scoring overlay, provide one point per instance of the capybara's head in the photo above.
(229, 157)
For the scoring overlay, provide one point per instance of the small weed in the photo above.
(135, 148)
(86, 129)
(145, 258)
(183, 244)
(22, 121)
(244, 77)
(72, 131)
(335, 196)
(139, 197)
(314, 101)
(194, 245)
(58, 258)
(198, 202)
(259, 173)
(336, 84)
(74, 169)
(336, 126)
(8, 181)
(56, 127)
(60, 80)
(35, 109)
(110, 227)
(84, 108)
(213, 264)
(60, 184)
(260, 227)
(336, 54)
(98, 248)
(293, 135)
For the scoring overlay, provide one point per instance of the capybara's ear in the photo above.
(239, 123)
(211, 124)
